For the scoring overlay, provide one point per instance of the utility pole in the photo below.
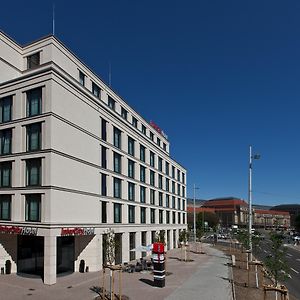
(194, 213)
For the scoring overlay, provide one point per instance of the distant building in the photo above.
(293, 209)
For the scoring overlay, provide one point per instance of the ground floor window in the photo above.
(131, 245)
(65, 254)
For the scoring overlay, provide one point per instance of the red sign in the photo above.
(157, 128)
(77, 231)
(158, 248)
(18, 230)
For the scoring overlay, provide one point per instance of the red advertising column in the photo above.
(158, 264)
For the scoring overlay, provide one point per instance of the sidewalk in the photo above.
(206, 277)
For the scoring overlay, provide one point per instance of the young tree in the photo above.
(276, 262)
(110, 246)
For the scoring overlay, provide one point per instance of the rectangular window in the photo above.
(96, 90)
(131, 146)
(151, 136)
(5, 207)
(152, 178)
(167, 217)
(131, 245)
(33, 208)
(178, 175)
(167, 184)
(34, 102)
(34, 134)
(81, 78)
(103, 129)
(142, 153)
(5, 109)
(104, 212)
(142, 174)
(158, 142)
(178, 189)
(167, 200)
(142, 194)
(152, 197)
(103, 185)
(143, 215)
(179, 219)
(117, 137)
(160, 199)
(152, 215)
(160, 180)
(111, 103)
(131, 214)
(5, 174)
(173, 187)
(183, 178)
(33, 172)
(144, 129)
(152, 159)
(160, 162)
(117, 213)
(117, 162)
(124, 113)
(164, 147)
(130, 168)
(103, 157)
(183, 204)
(183, 191)
(173, 172)
(131, 191)
(5, 140)
(134, 122)
(33, 61)
(173, 217)
(167, 168)
(160, 216)
(117, 188)
(173, 202)
(178, 204)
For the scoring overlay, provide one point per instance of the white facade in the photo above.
(55, 176)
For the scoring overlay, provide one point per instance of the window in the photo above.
(183, 178)
(33, 168)
(5, 207)
(143, 215)
(81, 78)
(173, 217)
(131, 245)
(167, 217)
(178, 189)
(5, 174)
(183, 204)
(131, 191)
(164, 147)
(134, 122)
(124, 113)
(158, 142)
(167, 184)
(152, 215)
(5, 109)
(34, 134)
(103, 185)
(178, 175)
(131, 146)
(183, 191)
(160, 216)
(117, 137)
(179, 219)
(103, 157)
(173, 202)
(131, 214)
(34, 102)
(167, 200)
(160, 180)
(144, 129)
(104, 212)
(33, 208)
(152, 178)
(103, 129)
(167, 168)
(160, 199)
(96, 90)
(117, 188)
(33, 61)
(152, 159)
(173, 187)
(142, 153)
(130, 168)
(142, 194)
(173, 172)
(152, 197)
(151, 136)
(117, 162)
(142, 174)
(117, 213)
(160, 164)
(178, 204)
(5, 140)
(111, 103)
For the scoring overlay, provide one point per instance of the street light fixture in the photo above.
(195, 188)
(251, 158)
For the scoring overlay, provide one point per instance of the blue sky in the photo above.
(216, 76)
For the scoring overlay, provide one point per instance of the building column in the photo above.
(125, 247)
(138, 242)
(50, 260)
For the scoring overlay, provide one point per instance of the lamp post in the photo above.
(251, 157)
(195, 188)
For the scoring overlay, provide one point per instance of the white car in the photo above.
(296, 238)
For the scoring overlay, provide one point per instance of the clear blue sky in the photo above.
(216, 76)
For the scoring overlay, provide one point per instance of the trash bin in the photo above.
(81, 266)
(8, 267)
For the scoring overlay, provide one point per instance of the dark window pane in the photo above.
(5, 140)
(5, 207)
(34, 137)
(33, 167)
(33, 61)
(5, 174)
(33, 208)
(5, 109)
(34, 102)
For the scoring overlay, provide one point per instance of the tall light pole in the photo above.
(251, 157)
(195, 188)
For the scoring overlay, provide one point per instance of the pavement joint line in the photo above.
(295, 270)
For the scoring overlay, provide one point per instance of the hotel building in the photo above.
(75, 160)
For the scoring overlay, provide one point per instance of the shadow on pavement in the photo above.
(147, 281)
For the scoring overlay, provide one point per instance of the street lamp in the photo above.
(195, 188)
(251, 157)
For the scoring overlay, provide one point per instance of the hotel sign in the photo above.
(24, 230)
(158, 129)
(77, 231)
